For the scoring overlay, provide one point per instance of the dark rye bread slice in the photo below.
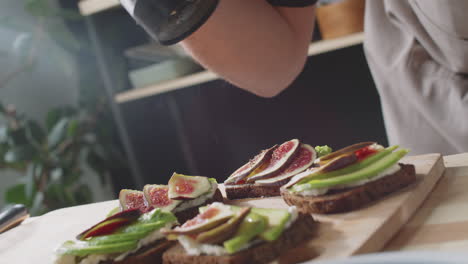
(353, 198)
(191, 212)
(301, 231)
(241, 191)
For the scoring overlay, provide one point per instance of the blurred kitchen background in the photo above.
(89, 104)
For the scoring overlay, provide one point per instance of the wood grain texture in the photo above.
(339, 235)
(442, 221)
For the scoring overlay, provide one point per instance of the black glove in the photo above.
(170, 21)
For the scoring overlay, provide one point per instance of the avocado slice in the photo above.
(367, 172)
(117, 238)
(277, 219)
(303, 183)
(359, 165)
(83, 248)
(252, 225)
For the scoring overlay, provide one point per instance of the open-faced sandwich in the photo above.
(349, 178)
(263, 175)
(230, 234)
(182, 196)
(126, 237)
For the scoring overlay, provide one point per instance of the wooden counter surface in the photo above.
(442, 221)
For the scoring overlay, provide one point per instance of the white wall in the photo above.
(52, 82)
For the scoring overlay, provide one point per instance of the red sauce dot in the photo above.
(365, 152)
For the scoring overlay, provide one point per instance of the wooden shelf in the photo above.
(89, 7)
(315, 48)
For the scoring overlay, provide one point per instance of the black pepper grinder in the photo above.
(170, 21)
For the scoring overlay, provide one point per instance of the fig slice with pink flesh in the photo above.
(346, 150)
(183, 187)
(244, 171)
(334, 164)
(157, 197)
(280, 158)
(211, 217)
(224, 231)
(110, 224)
(303, 160)
(132, 199)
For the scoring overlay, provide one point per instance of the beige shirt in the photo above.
(418, 54)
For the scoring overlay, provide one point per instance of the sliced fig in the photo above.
(250, 166)
(213, 216)
(332, 165)
(157, 197)
(225, 231)
(132, 199)
(110, 224)
(303, 160)
(299, 177)
(183, 187)
(279, 158)
(345, 150)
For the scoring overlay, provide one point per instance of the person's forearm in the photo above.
(254, 45)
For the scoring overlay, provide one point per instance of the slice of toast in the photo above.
(353, 198)
(300, 231)
(241, 191)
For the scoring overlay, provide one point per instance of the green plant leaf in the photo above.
(18, 137)
(34, 131)
(62, 35)
(71, 178)
(37, 207)
(68, 14)
(70, 198)
(58, 133)
(52, 117)
(2, 108)
(20, 154)
(30, 185)
(16, 195)
(3, 134)
(73, 128)
(83, 194)
(38, 7)
(97, 164)
(55, 194)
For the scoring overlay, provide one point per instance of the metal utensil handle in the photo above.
(12, 216)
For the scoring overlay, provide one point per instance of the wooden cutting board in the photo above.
(339, 235)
